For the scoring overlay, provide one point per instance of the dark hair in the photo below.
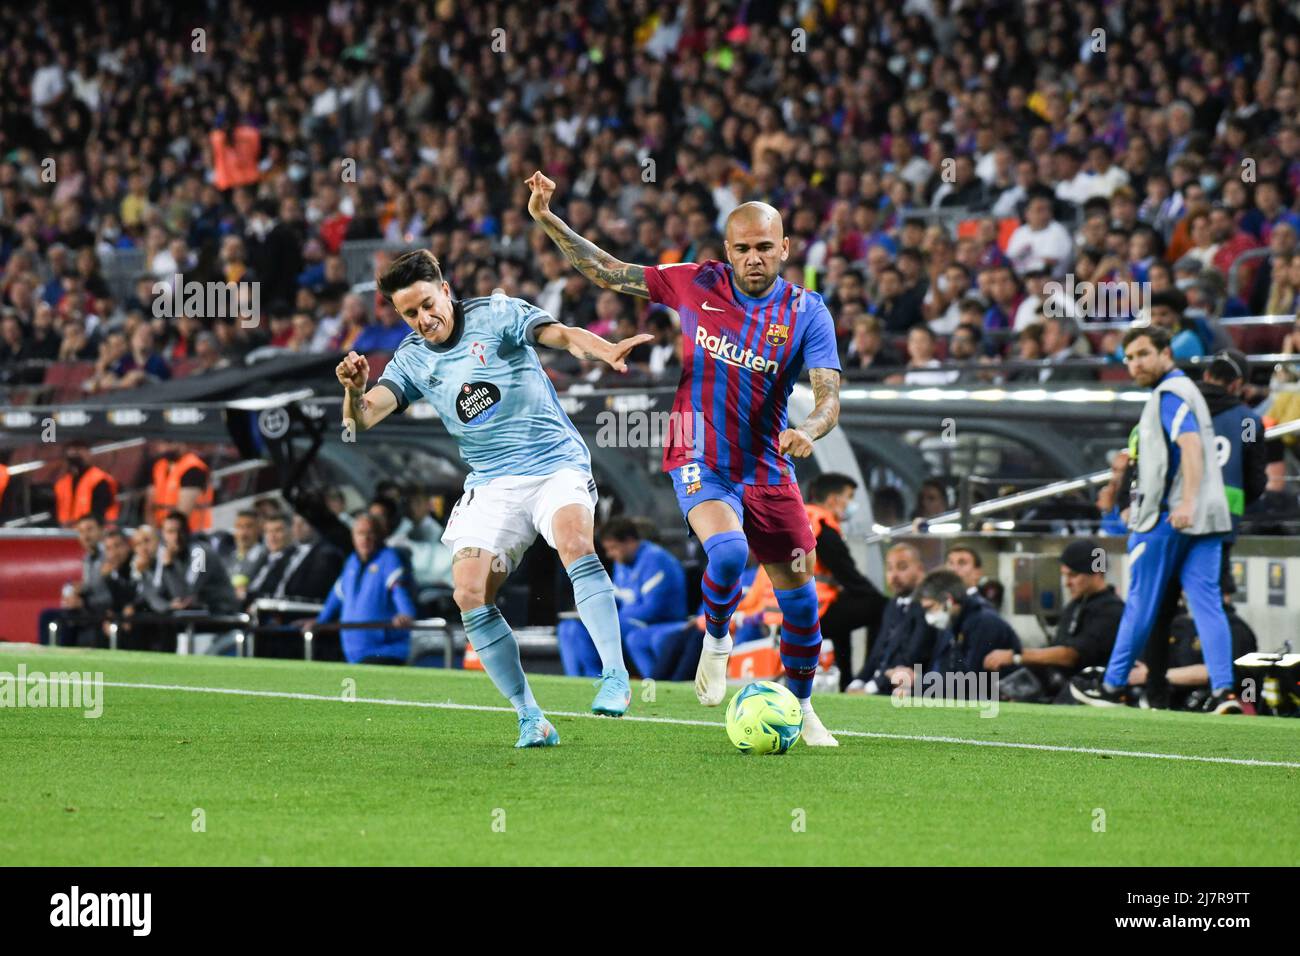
(974, 331)
(1033, 331)
(389, 508)
(184, 521)
(971, 551)
(91, 516)
(407, 269)
(248, 513)
(827, 484)
(1170, 299)
(1225, 368)
(941, 583)
(620, 529)
(1158, 336)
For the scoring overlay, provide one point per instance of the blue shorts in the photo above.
(773, 516)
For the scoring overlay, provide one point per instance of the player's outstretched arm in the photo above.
(364, 409)
(588, 258)
(798, 441)
(587, 345)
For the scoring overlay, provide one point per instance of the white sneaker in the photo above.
(815, 733)
(711, 678)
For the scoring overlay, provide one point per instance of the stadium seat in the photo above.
(65, 379)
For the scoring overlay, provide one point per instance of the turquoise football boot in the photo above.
(614, 695)
(536, 731)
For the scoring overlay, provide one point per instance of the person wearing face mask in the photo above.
(853, 600)
(966, 628)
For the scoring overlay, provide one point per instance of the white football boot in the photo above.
(711, 677)
(815, 733)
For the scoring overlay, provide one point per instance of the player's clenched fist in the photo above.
(542, 189)
(353, 372)
(796, 443)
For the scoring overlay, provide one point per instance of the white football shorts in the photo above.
(505, 515)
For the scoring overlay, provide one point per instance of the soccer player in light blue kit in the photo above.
(473, 360)
(1179, 518)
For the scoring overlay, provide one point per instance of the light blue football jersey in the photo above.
(489, 388)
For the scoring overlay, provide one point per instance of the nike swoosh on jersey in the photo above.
(712, 308)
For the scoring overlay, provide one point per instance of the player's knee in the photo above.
(573, 547)
(727, 558)
(469, 596)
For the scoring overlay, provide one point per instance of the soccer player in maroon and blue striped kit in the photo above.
(747, 336)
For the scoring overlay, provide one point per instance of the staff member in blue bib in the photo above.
(1178, 517)
(372, 587)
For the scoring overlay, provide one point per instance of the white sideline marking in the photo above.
(491, 708)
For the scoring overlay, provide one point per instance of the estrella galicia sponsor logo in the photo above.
(477, 402)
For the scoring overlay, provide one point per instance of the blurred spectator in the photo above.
(903, 628)
(866, 348)
(78, 596)
(888, 507)
(967, 629)
(1186, 680)
(371, 588)
(1058, 343)
(419, 532)
(921, 360)
(83, 488)
(967, 564)
(298, 565)
(1085, 633)
(852, 600)
(243, 552)
(188, 574)
(382, 335)
(181, 482)
(931, 499)
(1042, 242)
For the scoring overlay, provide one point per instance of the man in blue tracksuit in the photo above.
(650, 589)
(1179, 517)
(372, 587)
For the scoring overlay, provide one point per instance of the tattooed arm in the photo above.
(588, 258)
(587, 345)
(826, 412)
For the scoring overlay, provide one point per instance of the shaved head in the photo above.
(756, 246)
(754, 215)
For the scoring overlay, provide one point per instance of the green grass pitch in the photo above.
(284, 780)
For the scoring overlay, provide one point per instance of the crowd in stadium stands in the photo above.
(1122, 143)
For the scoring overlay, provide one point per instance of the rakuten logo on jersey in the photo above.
(729, 352)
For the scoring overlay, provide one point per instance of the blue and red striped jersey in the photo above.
(740, 360)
